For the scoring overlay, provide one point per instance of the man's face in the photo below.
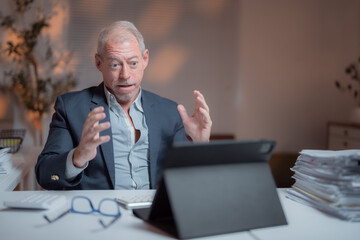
(122, 66)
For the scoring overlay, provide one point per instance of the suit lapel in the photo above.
(106, 149)
(153, 133)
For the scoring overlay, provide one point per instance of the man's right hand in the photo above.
(90, 137)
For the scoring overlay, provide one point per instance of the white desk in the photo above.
(308, 223)
(304, 223)
(22, 171)
(30, 224)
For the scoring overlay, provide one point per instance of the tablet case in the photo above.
(215, 188)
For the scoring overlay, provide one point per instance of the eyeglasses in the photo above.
(83, 205)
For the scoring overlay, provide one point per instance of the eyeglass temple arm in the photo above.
(109, 224)
(51, 220)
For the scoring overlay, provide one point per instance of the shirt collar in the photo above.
(137, 102)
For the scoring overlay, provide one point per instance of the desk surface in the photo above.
(304, 223)
(23, 163)
(308, 223)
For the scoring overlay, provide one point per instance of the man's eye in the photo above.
(133, 64)
(115, 65)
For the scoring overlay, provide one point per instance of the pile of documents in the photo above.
(5, 160)
(328, 181)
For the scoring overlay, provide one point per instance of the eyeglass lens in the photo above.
(107, 206)
(82, 205)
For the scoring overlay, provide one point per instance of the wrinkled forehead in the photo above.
(124, 46)
(118, 36)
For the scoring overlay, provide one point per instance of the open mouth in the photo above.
(125, 86)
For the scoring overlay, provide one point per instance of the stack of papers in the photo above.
(5, 160)
(328, 181)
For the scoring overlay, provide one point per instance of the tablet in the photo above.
(214, 188)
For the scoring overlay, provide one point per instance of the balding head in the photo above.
(119, 31)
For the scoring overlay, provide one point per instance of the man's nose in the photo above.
(125, 73)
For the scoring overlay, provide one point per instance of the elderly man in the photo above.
(115, 135)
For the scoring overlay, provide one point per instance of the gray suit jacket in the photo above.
(71, 109)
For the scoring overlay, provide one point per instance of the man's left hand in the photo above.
(198, 126)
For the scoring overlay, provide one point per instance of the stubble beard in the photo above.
(126, 98)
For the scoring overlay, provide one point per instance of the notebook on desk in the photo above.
(214, 188)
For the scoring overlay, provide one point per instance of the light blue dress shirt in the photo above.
(131, 158)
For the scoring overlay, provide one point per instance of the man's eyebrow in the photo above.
(117, 59)
(113, 58)
(135, 56)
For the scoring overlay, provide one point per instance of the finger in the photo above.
(94, 132)
(101, 127)
(197, 96)
(202, 104)
(183, 113)
(93, 119)
(101, 140)
(198, 93)
(90, 124)
(205, 116)
(98, 109)
(200, 100)
(95, 111)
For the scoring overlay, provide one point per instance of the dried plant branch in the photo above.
(354, 86)
(37, 91)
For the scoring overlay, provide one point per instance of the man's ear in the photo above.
(146, 58)
(98, 62)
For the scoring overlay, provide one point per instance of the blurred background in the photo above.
(267, 68)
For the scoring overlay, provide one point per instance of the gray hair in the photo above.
(124, 30)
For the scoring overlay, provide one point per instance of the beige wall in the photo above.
(266, 67)
(290, 54)
(192, 44)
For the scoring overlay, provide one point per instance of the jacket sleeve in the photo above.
(51, 164)
(179, 133)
